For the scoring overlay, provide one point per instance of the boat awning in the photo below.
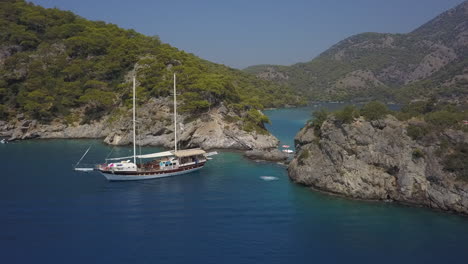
(147, 156)
(179, 154)
(156, 155)
(188, 152)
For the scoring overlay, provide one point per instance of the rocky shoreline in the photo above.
(220, 128)
(377, 160)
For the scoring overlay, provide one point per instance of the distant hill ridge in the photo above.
(429, 61)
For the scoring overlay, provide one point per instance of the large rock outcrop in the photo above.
(220, 128)
(273, 155)
(378, 161)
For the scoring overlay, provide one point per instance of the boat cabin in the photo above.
(167, 160)
(124, 165)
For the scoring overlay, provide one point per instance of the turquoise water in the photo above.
(225, 213)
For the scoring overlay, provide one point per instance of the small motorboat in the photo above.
(268, 178)
(286, 149)
(3, 141)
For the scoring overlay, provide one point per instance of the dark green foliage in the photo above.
(98, 98)
(347, 114)
(417, 132)
(374, 110)
(257, 117)
(3, 112)
(419, 107)
(319, 117)
(417, 154)
(305, 154)
(254, 121)
(437, 115)
(71, 119)
(59, 61)
(401, 115)
(443, 119)
(457, 161)
(231, 119)
(193, 103)
(37, 103)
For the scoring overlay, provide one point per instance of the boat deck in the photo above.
(155, 169)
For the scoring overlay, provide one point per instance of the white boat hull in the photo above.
(119, 177)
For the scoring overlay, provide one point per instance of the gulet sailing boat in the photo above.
(162, 164)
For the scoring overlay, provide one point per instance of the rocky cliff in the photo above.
(219, 128)
(377, 160)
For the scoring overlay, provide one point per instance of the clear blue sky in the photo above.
(240, 33)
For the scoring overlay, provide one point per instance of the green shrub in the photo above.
(71, 118)
(254, 121)
(305, 154)
(319, 117)
(257, 117)
(419, 107)
(443, 119)
(231, 119)
(37, 104)
(249, 126)
(116, 115)
(457, 162)
(238, 108)
(347, 114)
(374, 110)
(417, 153)
(417, 132)
(402, 116)
(3, 112)
(193, 103)
(97, 98)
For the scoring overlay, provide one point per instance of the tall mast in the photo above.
(175, 115)
(134, 122)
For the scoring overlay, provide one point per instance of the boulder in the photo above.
(274, 155)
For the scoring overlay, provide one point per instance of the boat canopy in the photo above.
(188, 152)
(179, 154)
(147, 156)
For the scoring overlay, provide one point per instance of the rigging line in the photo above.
(86, 152)
(138, 132)
(137, 128)
(112, 150)
(139, 140)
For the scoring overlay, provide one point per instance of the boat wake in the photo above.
(268, 178)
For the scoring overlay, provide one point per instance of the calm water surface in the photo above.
(225, 213)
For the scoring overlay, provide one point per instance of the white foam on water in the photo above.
(268, 178)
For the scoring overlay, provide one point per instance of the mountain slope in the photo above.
(431, 60)
(55, 65)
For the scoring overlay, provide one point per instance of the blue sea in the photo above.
(233, 211)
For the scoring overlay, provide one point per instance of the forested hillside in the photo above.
(430, 61)
(55, 64)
